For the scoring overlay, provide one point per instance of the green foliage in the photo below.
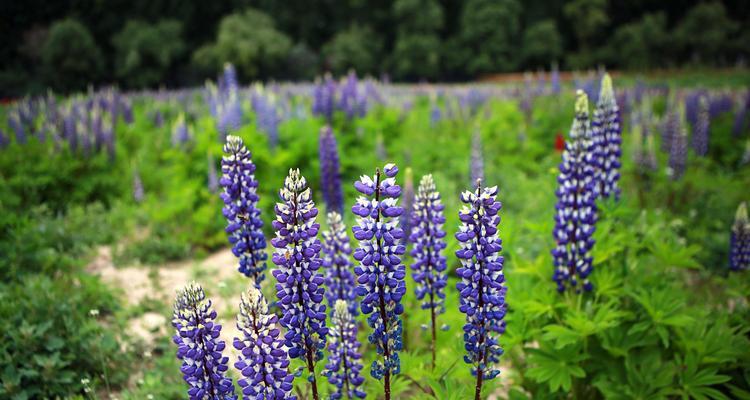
(489, 32)
(146, 51)
(416, 56)
(542, 44)
(642, 44)
(250, 41)
(51, 341)
(710, 19)
(355, 48)
(70, 56)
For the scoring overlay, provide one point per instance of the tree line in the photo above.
(68, 45)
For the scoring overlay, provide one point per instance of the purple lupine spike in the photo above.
(138, 192)
(180, 131)
(299, 286)
(263, 362)
(380, 273)
(349, 99)
(718, 104)
(408, 204)
(482, 293)
(575, 211)
(678, 148)
(199, 346)
(428, 237)
(701, 128)
(344, 360)
(692, 105)
(476, 166)
(330, 174)
(267, 116)
(435, 114)
(212, 178)
(324, 97)
(611, 132)
(340, 282)
(127, 110)
(240, 196)
(229, 82)
(555, 80)
(739, 244)
(14, 121)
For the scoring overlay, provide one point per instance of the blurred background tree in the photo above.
(121, 42)
(145, 52)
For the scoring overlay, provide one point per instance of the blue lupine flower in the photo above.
(344, 365)
(330, 174)
(476, 166)
(299, 286)
(263, 361)
(180, 131)
(678, 148)
(324, 97)
(199, 346)
(268, 117)
(720, 103)
(482, 293)
(229, 81)
(240, 196)
(380, 273)
(701, 128)
(352, 101)
(575, 211)
(739, 254)
(428, 237)
(339, 278)
(14, 121)
(607, 123)
(555, 80)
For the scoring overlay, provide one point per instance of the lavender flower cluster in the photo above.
(339, 279)
(344, 363)
(606, 133)
(330, 175)
(739, 253)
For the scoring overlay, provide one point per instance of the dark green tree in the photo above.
(145, 52)
(704, 32)
(489, 36)
(416, 52)
(542, 44)
(355, 48)
(70, 57)
(587, 18)
(641, 44)
(250, 41)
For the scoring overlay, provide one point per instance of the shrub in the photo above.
(145, 52)
(70, 56)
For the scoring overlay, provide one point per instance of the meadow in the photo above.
(111, 202)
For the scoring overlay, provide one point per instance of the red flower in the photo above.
(559, 142)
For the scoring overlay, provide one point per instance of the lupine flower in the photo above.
(330, 174)
(180, 132)
(339, 278)
(199, 346)
(671, 129)
(351, 102)
(344, 365)
(482, 293)
(229, 80)
(739, 254)
(555, 80)
(408, 204)
(212, 178)
(14, 121)
(240, 196)
(435, 114)
(477, 160)
(607, 122)
(138, 192)
(299, 286)
(428, 237)
(719, 104)
(575, 211)
(324, 97)
(701, 128)
(263, 361)
(267, 115)
(380, 273)
(678, 151)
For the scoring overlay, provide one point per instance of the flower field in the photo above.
(582, 238)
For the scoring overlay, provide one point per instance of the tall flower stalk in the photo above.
(299, 286)
(428, 237)
(344, 362)
(607, 139)
(330, 174)
(199, 347)
(482, 293)
(380, 271)
(701, 128)
(339, 278)
(739, 254)
(575, 211)
(240, 196)
(263, 362)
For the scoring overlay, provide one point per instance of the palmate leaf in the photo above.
(619, 343)
(714, 342)
(671, 254)
(582, 324)
(557, 368)
(665, 310)
(696, 382)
